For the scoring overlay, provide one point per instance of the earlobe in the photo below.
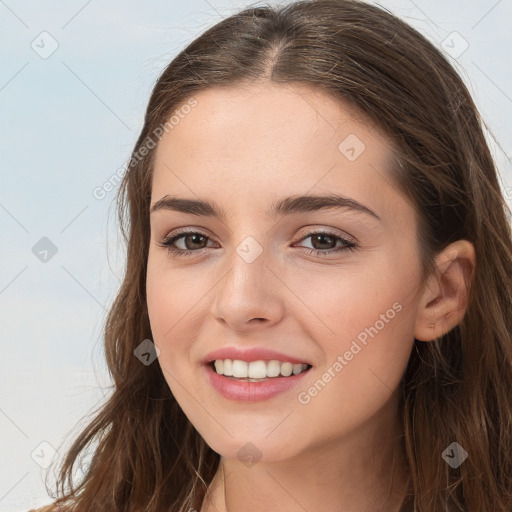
(445, 297)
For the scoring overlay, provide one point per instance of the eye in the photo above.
(192, 239)
(322, 238)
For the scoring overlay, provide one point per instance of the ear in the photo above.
(444, 300)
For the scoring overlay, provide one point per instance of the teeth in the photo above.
(273, 368)
(286, 369)
(239, 369)
(257, 369)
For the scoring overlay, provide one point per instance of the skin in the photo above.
(243, 148)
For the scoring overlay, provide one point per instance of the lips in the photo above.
(245, 390)
(251, 354)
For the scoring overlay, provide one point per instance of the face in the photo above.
(334, 287)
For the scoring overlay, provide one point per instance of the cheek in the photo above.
(363, 324)
(172, 300)
(342, 302)
(363, 364)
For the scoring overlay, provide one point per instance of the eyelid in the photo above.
(348, 243)
(313, 230)
(309, 230)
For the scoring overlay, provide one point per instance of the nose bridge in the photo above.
(248, 263)
(249, 289)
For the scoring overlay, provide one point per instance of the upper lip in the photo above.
(250, 354)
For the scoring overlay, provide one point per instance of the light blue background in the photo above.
(68, 123)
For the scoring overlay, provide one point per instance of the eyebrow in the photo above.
(286, 206)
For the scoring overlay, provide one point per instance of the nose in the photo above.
(250, 295)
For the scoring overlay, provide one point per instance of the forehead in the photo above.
(241, 116)
(261, 140)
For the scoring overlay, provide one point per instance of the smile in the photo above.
(257, 370)
(241, 385)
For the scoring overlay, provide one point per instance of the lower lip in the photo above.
(241, 390)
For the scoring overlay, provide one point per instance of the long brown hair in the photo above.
(146, 455)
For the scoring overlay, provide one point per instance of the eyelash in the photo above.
(168, 241)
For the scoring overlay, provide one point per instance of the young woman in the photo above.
(320, 255)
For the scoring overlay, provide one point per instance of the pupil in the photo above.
(319, 237)
(195, 237)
